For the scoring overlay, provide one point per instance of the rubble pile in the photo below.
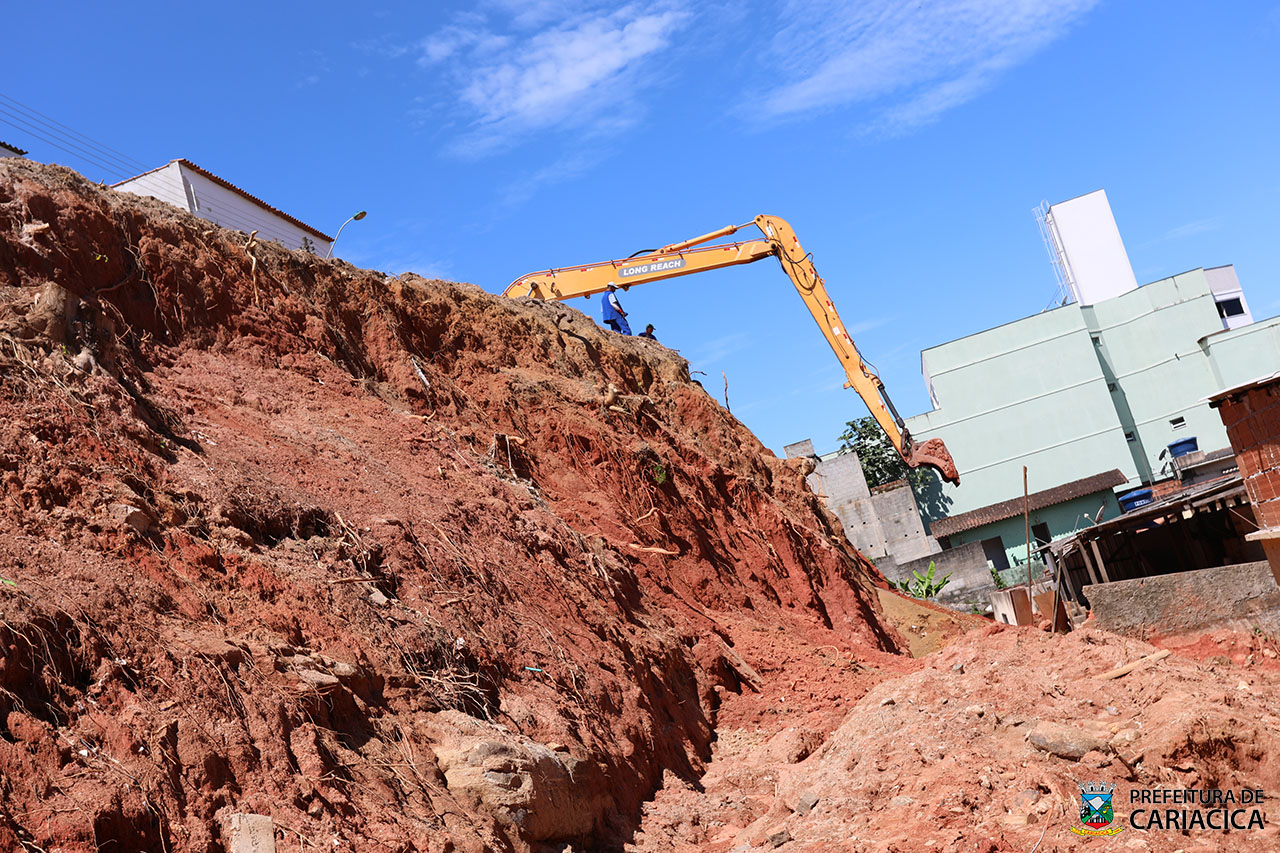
(985, 747)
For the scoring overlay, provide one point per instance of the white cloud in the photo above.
(564, 169)
(574, 73)
(526, 14)
(383, 46)
(1200, 226)
(914, 60)
(866, 325)
(469, 34)
(425, 265)
(1189, 229)
(393, 252)
(714, 351)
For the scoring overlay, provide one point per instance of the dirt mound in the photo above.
(402, 564)
(984, 748)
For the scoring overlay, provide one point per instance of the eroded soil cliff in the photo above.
(398, 562)
(410, 567)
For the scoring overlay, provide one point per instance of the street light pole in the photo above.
(355, 218)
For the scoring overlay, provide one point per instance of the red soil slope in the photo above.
(409, 567)
(405, 565)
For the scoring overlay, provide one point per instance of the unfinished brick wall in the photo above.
(1251, 415)
(1252, 419)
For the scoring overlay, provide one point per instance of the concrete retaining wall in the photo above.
(970, 586)
(900, 523)
(1243, 597)
(881, 522)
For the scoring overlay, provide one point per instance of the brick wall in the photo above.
(1244, 597)
(886, 522)
(848, 497)
(1252, 419)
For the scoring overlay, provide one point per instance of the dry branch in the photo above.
(1130, 667)
(651, 550)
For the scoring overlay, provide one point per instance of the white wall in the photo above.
(194, 193)
(1097, 262)
(228, 208)
(164, 184)
(6, 151)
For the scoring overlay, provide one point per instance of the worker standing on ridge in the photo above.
(648, 333)
(611, 311)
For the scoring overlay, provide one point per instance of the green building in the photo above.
(1087, 396)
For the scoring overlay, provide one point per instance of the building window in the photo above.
(1230, 308)
(1178, 423)
(1097, 341)
(1128, 436)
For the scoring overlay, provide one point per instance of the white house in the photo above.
(7, 150)
(203, 194)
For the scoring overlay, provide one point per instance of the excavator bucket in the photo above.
(934, 454)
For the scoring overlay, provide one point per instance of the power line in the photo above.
(110, 170)
(116, 164)
(71, 132)
(44, 133)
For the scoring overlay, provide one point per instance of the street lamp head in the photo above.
(356, 218)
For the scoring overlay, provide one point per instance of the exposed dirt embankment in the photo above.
(410, 567)
(404, 565)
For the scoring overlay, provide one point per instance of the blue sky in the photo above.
(906, 143)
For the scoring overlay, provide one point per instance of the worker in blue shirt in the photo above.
(611, 311)
(648, 333)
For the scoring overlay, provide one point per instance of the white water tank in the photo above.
(1089, 248)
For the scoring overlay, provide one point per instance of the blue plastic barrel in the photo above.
(1136, 498)
(1183, 446)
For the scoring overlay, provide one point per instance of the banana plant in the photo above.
(923, 585)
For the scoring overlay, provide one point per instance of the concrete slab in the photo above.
(1242, 597)
(248, 833)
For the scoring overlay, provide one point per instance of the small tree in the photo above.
(881, 463)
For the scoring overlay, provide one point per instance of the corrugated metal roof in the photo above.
(1216, 400)
(13, 147)
(1230, 486)
(225, 183)
(1036, 500)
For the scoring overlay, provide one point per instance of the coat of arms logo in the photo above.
(1095, 809)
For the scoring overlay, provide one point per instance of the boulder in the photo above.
(542, 793)
(1064, 741)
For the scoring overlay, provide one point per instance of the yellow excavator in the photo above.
(690, 256)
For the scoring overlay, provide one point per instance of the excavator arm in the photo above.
(780, 241)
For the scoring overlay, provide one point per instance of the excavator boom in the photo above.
(780, 241)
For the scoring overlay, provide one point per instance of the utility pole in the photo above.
(1026, 515)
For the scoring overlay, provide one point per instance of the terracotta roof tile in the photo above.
(1037, 500)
